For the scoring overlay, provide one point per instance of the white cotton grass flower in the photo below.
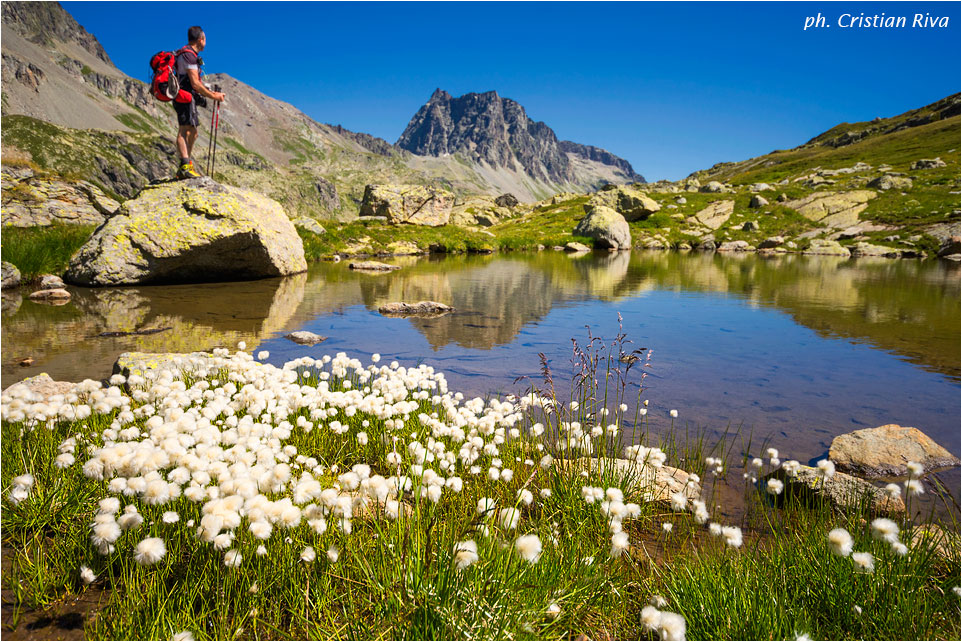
(333, 554)
(486, 505)
(914, 488)
(619, 543)
(87, 575)
(864, 562)
(650, 616)
(658, 601)
(465, 554)
(170, 517)
(915, 469)
(715, 529)
(679, 501)
(673, 413)
(242, 345)
(553, 610)
(183, 636)
(525, 496)
(774, 486)
(667, 526)
(840, 541)
(308, 555)
(732, 535)
(892, 491)
(509, 518)
(757, 463)
(900, 549)
(671, 626)
(885, 529)
(825, 469)
(529, 547)
(150, 551)
(772, 453)
(802, 637)
(233, 558)
(261, 551)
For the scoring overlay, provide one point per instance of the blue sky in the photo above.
(672, 87)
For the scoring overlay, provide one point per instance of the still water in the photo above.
(796, 349)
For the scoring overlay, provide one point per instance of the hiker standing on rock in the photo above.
(188, 74)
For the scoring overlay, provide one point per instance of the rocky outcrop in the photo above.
(195, 230)
(840, 491)
(716, 214)
(885, 451)
(602, 156)
(713, 187)
(413, 204)
(309, 225)
(30, 200)
(928, 163)
(39, 22)
(951, 247)
(833, 209)
(506, 200)
(735, 246)
(606, 227)
(867, 249)
(480, 211)
(631, 203)
(11, 276)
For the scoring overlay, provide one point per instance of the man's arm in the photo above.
(199, 87)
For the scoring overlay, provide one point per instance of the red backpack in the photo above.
(164, 84)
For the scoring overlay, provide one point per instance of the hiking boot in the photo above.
(187, 171)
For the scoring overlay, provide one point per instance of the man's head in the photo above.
(196, 38)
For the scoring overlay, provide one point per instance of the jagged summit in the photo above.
(488, 128)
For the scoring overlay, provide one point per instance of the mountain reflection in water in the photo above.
(799, 348)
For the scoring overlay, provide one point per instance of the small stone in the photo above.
(372, 266)
(11, 275)
(51, 282)
(750, 226)
(305, 338)
(55, 296)
(573, 246)
(758, 201)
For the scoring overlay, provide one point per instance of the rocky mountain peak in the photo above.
(491, 129)
(45, 22)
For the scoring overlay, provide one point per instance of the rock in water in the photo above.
(194, 230)
(885, 451)
(372, 266)
(51, 282)
(419, 309)
(11, 275)
(606, 226)
(415, 204)
(831, 248)
(574, 246)
(839, 491)
(56, 296)
(305, 338)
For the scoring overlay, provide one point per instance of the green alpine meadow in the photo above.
(270, 378)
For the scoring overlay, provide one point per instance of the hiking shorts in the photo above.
(187, 114)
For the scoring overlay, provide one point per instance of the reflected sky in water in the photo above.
(794, 348)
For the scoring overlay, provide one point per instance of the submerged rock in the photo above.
(56, 296)
(607, 227)
(885, 451)
(419, 309)
(840, 491)
(194, 231)
(10, 274)
(305, 338)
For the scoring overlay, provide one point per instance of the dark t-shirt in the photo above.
(186, 59)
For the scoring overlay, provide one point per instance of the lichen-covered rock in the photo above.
(194, 230)
(632, 204)
(414, 204)
(10, 276)
(309, 225)
(713, 187)
(833, 209)
(716, 214)
(30, 200)
(840, 491)
(608, 228)
(885, 451)
(824, 246)
(928, 163)
(419, 309)
(479, 211)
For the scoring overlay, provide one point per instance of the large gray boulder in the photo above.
(607, 227)
(194, 230)
(885, 451)
(413, 204)
(716, 214)
(631, 203)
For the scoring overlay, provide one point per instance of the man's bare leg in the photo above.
(183, 147)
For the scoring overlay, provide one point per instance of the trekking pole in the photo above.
(210, 139)
(216, 127)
